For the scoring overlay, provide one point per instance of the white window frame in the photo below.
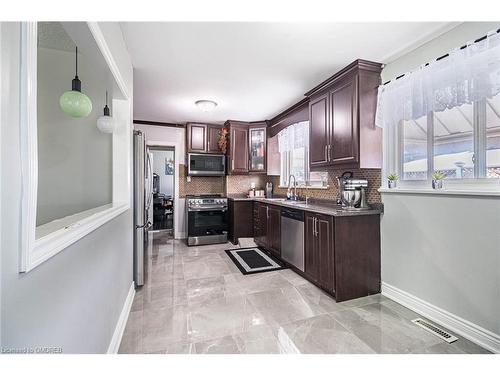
(39, 244)
(479, 185)
(285, 171)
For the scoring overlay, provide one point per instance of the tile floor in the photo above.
(195, 300)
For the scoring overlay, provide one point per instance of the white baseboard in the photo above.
(482, 337)
(114, 345)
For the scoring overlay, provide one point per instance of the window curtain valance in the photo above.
(466, 75)
(294, 136)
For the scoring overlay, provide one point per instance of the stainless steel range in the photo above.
(207, 219)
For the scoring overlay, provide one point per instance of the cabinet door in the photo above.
(326, 276)
(213, 133)
(274, 230)
(319, 131)
(257, 148)
(196, 137)
(344, 136)
(311, 255)
(261, 236)
(239, 150)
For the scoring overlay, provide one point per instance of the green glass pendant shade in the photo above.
(75, 104)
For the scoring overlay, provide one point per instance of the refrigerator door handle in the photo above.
(145, 226)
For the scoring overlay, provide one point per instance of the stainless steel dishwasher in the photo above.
(292, 237)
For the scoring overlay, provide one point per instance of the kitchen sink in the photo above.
(276, 199)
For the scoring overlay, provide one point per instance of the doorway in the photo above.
(162, 160)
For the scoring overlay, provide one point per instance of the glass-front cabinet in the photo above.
(258, 141)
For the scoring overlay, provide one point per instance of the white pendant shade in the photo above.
(106, 124)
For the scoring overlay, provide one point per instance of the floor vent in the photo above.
(449, 338)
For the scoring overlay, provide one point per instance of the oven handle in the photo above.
(207, 209)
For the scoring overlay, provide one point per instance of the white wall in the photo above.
(74, 299)
(445, 250)
(173, 137)
(74, 157)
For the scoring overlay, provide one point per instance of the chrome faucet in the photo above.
(289, 193)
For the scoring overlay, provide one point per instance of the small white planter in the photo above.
(437, 184)
(392, 184)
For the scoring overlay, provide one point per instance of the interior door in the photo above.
(149, 187)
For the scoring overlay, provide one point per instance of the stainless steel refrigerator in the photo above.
(142, 203)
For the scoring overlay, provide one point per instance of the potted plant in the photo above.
(437, 180)
(392, 180)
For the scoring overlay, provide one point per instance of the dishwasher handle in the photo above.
(293, 214)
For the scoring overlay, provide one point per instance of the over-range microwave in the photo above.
(206, 165)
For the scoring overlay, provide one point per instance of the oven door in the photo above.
(206, 165)
(203, 222)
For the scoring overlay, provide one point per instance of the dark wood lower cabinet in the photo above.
(261, 229)
(341, 253)
(241, 221)
(274, 230)
(357, 256)
(267, 227)
(319, 250)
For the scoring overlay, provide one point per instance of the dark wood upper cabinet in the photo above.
(247, 147)
(319, 130)
(238, 159)
(213, 135)
(343, 139)
(203, 138)
(342, 118)
(257, 148)
(196, 140)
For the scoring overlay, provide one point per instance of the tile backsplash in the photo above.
(372, 175)
(200, 185)
(240, 184)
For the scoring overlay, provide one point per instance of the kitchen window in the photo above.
(445, 117)
(293, 144)
(461, 142)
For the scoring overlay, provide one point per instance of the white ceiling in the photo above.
(252, 70)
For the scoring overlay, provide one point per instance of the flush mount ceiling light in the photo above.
(106, 123)
(75, 103)
(206, 105)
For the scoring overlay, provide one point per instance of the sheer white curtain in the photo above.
(293, 137)
(466, 75)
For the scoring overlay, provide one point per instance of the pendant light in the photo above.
(75, 103)
(106, 123)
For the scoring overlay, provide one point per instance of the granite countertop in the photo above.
(321, 207)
